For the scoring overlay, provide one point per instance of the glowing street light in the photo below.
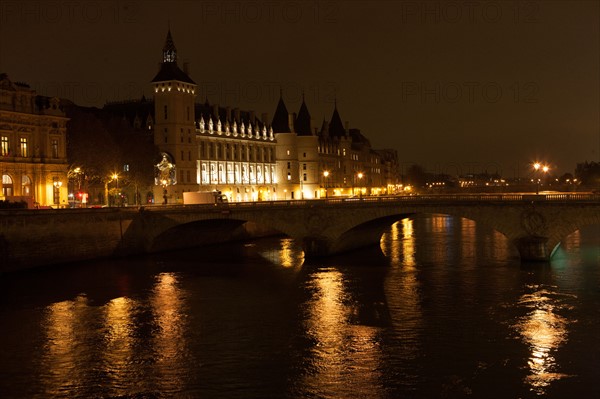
(360, 176)
(326, 175)
(115, 177)
(537, 167)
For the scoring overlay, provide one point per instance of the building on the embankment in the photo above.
(152, 150)
(33, 155)
(207, 147)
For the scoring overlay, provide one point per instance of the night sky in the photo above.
(458, 87)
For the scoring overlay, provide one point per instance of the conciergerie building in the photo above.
(208, 147)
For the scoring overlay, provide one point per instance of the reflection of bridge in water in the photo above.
(534, 224)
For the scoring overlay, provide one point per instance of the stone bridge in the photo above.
(534, 224)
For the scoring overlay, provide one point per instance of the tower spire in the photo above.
(169, 50)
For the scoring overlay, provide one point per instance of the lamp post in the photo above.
(115, 177)
(544, 168)
(360, 176)
(326, 175)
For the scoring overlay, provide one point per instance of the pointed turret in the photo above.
(281, 121)
(168, 68)
(169, 50)
(336, 127)
(302, 124)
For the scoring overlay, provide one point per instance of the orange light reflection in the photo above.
(545, 332)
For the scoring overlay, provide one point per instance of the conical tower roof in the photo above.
(281, 121)
(302, 124)
(336, 127)
(169, 69)
(169, 49)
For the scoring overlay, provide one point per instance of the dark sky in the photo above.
(458, 87)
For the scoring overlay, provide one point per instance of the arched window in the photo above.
(7, 186)
(204, 174)
(25, 186)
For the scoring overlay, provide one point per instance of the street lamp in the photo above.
(360, 176)
(115, 177)
(326, 175)
(537, 166)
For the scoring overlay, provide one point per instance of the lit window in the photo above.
(7, 186)
(23, 146)
(5, 149)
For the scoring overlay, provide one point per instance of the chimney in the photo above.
(291, 118)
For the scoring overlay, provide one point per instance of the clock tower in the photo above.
(174, 127)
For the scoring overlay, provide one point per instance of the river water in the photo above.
(449, 312)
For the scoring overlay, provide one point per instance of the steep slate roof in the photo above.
(281, 119)
(302, 123)
(336, 127)
(169, 69)
(207, 111)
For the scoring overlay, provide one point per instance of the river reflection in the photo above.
(169, 338)
(449, 313)
(403, 295)
(119, 334)
(345, 354)
(63, 347)
(545, 331)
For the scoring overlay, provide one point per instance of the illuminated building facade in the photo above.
(33, 158)
(248, 158)
(236, 154)
(212, 148)
(332, 161)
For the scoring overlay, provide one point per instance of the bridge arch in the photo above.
(370, 232)
(570, 226)
(328, 227)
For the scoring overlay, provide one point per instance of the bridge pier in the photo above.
(316, 247)
(533, 249)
